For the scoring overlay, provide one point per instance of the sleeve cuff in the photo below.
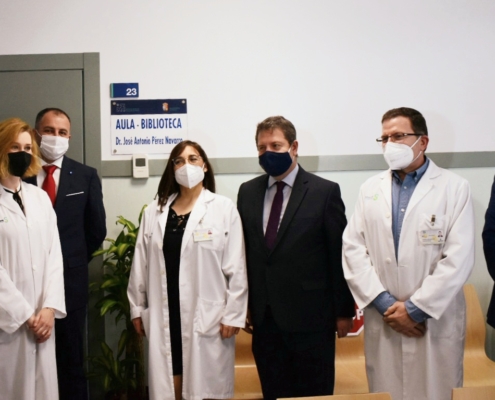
(415, 313)
(383, 301)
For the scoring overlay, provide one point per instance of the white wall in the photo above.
(124, 196)
(332, 67)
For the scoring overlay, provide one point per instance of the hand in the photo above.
(30, 321)
(227, 331)
(138, 326)
(249, 325)
(42, 325)
(343, 326)
(399, 320)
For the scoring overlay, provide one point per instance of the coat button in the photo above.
(34, 267)
(388, 260)
(388, 215)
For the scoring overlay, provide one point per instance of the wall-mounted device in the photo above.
(140, 167)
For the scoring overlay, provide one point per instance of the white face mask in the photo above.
(189, 175)
(399, 155)
(53, 147)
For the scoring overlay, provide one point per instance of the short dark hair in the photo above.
(54, 110)
(418, 122)
(168, 185)
(279, 122)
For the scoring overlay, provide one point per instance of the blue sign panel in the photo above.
(124, 90)
(142, 107)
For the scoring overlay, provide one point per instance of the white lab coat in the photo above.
(31, 278)
(432, 276)
(213, 290)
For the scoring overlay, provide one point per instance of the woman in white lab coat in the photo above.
(31, 272)
(188, 285)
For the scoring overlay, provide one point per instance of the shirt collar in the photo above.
(417, 174)
(57, 163)
(289, 179)
(18, 190)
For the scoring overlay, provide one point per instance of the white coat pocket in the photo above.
(208, 317)
(431, 222)
(216, 240)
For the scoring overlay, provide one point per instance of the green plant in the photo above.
(122, 373)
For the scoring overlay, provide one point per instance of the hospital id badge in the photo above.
(431, 236)
(203, 235)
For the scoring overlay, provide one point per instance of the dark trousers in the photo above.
(293, 364)
(69, 341)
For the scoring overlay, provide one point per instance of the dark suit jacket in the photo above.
(489, 248)
(81, 225)
(301, 277)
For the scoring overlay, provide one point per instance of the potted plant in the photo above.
(122, 373)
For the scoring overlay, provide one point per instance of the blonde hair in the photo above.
(9, 131)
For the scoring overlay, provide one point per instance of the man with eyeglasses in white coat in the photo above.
(407, 252)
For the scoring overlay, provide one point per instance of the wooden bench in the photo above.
(362, 396)
(474, 393)
(479, 370)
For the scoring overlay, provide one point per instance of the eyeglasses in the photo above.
(192, 159)
(396, 137)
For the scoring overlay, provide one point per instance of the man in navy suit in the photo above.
(489, 249)
(298, 297)
(75, 191)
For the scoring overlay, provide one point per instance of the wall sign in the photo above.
(147, 126)
(124, 90)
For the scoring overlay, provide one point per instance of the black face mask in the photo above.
(19, 162)
(275, 164)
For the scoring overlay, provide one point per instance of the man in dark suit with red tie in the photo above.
(75, 192)
(298, 297)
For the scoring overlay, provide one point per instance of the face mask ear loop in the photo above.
(415, 158)
(414, 144)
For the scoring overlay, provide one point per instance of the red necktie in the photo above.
(274, 220)
(49, 182)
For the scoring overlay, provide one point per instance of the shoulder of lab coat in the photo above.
(16, 310)
(137, 287)
(233, 261)
(453, 269)
(356, 261)
(53, 285)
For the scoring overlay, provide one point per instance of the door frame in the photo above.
(89, 64)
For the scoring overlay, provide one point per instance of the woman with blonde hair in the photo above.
(31, 272)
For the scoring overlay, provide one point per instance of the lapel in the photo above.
(424, 186)
(196, 217)
(7, 200)
(163, 215)
(297, 195)
(258, 206)
(65, 182)
(197, 214)
(386, 188)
